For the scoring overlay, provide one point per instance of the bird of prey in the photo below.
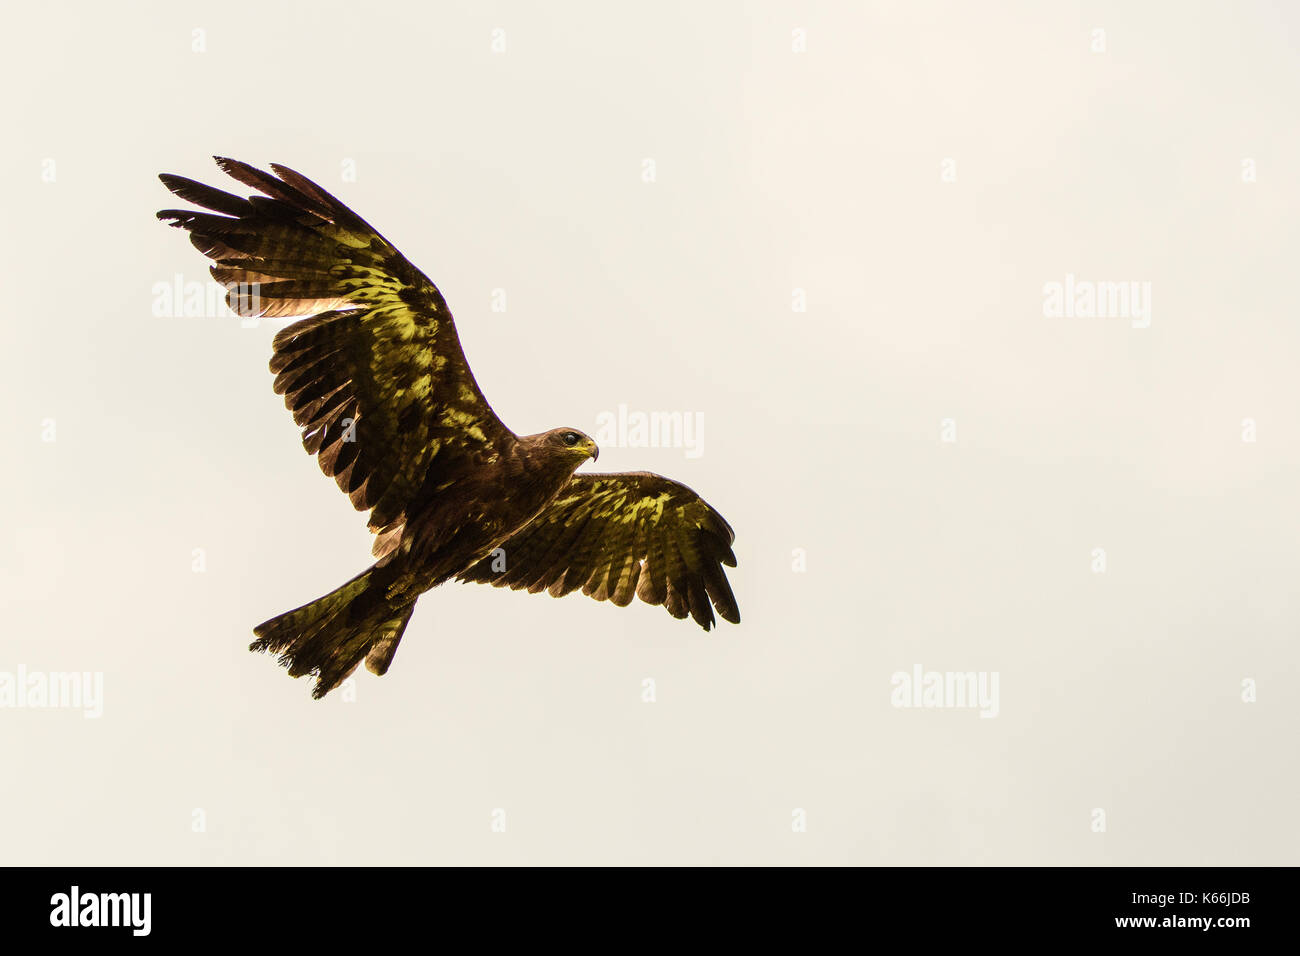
(374, 374)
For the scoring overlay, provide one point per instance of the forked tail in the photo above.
(332, 635)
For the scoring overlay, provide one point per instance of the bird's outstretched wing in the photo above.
(623, 534)
(374, 375)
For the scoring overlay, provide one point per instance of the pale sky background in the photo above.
(775, 171)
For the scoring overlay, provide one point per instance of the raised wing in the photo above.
(619, 535)
(375, 374)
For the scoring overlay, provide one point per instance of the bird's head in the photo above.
(572, 444)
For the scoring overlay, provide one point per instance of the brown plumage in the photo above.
(375, 377)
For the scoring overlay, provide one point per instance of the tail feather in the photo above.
(381, 653)
(332, 635)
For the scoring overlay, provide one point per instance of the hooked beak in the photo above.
(595, 451)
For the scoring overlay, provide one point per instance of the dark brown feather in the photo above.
(624, 535)
(377, 343)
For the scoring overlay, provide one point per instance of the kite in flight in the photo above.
(374, 375)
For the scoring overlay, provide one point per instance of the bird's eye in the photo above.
(569, 438)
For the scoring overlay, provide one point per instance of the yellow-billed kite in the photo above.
(375, 376)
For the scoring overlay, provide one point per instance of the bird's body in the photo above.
(454, 528)
(376, 378)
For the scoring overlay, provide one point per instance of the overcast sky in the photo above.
(834, 234)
